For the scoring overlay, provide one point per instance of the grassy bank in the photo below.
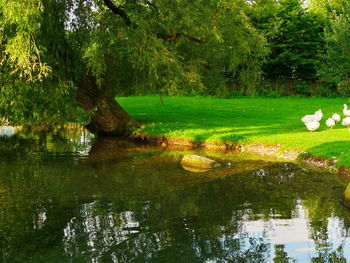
(245, 120)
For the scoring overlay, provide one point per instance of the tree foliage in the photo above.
(56, 55)
(54, 50)
(34, 86)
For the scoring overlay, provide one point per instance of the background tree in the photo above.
(295, 39)
(326, 8)
(296, 44)
(56, 55)
(335, 67)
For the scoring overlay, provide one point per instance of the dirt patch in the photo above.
(344, 173)
(319, 162)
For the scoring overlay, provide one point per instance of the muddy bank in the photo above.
(258, 149)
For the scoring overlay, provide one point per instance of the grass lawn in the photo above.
(246, 120)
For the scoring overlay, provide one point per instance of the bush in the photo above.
(328, 90)
(234, 94)
(302, 88)
(274, 94)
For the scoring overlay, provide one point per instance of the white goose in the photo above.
(312, 126)
(318, 115)
(336, 117)
(346, 112)
(330, 123)
(309, 118)
(346, 122)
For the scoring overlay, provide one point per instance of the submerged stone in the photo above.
(195, 169)
(347, 196)
(198, 163)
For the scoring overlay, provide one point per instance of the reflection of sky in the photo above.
(102, 232)
(294, 234)
(84, 143)
(7, 131)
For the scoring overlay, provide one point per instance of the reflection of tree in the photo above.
(120, 234)
(280, 255)
(29, 144)
(320, 208)
(121, 208)
(324, 247)
(330, 255)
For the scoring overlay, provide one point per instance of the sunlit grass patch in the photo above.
(244, 120)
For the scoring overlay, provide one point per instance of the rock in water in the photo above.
(194, 169)
(346, 197)
(199, 162)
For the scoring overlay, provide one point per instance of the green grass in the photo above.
(270, 121)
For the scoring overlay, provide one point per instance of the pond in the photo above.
(66, 196)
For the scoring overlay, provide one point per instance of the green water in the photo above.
(69, 197)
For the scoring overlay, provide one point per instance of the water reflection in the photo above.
(7, 131)
(67, 197)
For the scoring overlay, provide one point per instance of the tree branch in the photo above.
(118, 11)
(178, 35)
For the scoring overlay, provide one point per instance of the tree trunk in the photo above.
(107, 116)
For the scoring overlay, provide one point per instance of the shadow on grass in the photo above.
(232, 134)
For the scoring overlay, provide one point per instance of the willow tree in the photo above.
(60, 55)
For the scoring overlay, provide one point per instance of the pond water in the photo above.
(66, 196)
